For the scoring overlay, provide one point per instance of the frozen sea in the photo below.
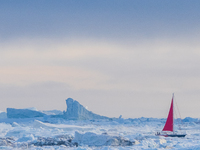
(59, 134)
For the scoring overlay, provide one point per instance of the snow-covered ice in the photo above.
(138, 133)
(81, 129)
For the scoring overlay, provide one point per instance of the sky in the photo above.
(116, 57)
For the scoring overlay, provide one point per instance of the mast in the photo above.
(169, 124)
(173, 110)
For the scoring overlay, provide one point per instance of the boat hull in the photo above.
(172, 135)
(176, 135)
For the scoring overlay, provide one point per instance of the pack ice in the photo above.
(77, 128)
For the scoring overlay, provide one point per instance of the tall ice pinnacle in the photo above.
(76, 111)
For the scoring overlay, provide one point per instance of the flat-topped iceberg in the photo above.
(23, 113)
(76, 111)
(3, 115)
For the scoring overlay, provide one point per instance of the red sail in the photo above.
(169, 123)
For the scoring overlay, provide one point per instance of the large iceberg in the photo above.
(23, 113)
(76, 111)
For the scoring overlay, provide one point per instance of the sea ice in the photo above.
(80, 129)
(92, 139)
(92, 134)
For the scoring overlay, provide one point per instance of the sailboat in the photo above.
(168, 130)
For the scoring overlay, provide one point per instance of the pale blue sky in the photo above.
(118, 57)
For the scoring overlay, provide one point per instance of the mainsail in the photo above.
(169, 125)
(170, 120)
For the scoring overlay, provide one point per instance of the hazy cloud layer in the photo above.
(153, 67)
(116, 57)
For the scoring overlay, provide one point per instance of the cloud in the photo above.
(24, 62)
(100, 64)
(94, 70)
(123, 57)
